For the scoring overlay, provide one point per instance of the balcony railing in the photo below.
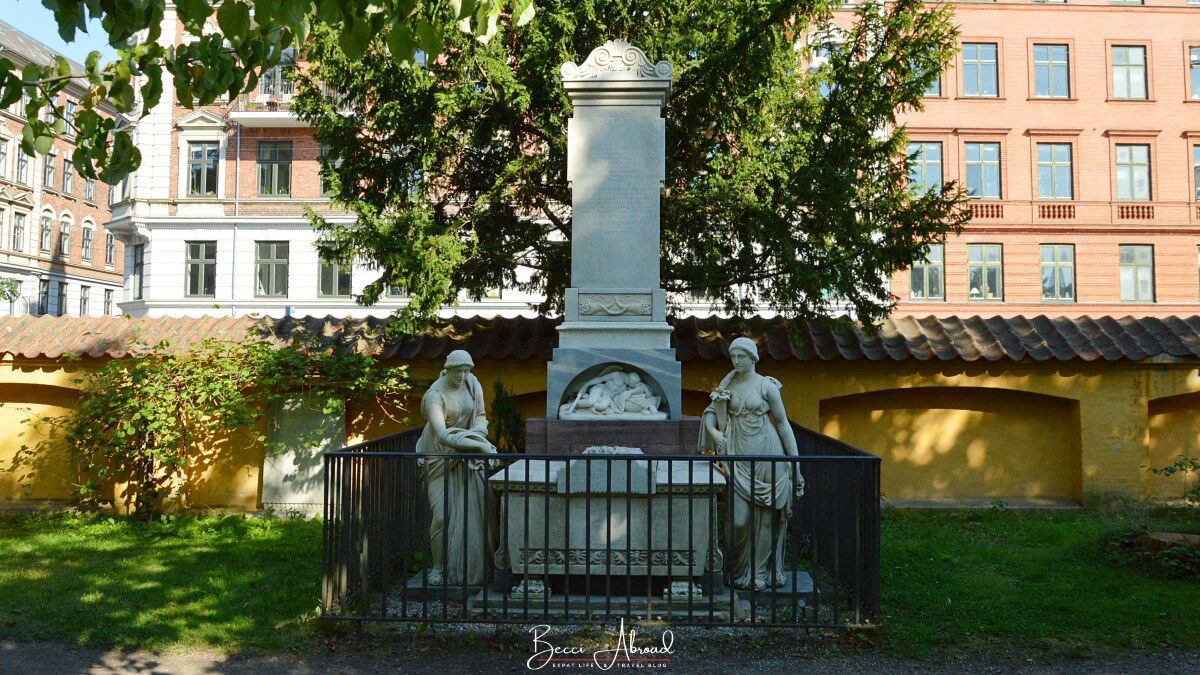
(1020, 213)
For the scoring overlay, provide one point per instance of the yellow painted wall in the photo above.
(943, 429)
(963, 442)
(49, 475)
(1174, 435)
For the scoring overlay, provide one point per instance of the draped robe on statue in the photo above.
(762, 493)
(457, 489)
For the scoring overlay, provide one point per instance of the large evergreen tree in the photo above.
(786, 185)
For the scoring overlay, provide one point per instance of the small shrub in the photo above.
(1137, 549)
(1190, 468)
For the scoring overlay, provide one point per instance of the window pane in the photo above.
(975, 282)
(1066, 283)
(974, 253)
(993, 282)
(935, 281)
(1048, 290)
(917, 281)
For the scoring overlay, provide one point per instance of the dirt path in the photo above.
(42, 657)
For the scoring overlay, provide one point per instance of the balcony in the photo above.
(270, 106)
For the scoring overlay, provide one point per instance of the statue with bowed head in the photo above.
(458, 491)
(746, 417)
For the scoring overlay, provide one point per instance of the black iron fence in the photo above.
(589, 538)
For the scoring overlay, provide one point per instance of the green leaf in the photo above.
(193, 13)
(355, 37)
(430, 38)
(234, 19)
(523, 10)
(462, 9)
(43, 143)
(401, 43)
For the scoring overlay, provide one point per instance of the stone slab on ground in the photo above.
(795, 592)
(716, 607)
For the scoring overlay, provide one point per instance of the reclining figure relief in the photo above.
(615, 393)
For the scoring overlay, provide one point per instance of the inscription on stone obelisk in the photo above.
(614, 359)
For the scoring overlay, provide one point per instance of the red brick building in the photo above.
(1076, 127)
(53, 239)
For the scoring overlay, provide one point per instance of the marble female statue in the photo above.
(460, 536)
(746, 417)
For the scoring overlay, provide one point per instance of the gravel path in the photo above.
(42, 657)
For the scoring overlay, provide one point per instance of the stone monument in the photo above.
(614, 359)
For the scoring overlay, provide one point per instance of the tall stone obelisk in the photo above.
(615, 308)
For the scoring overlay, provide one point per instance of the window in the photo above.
(48, 170)
(110, 248)
(201, 268)
(61, 308)
(934, 88)
(202, 168)
(1051, 71)
(68, 174)
(1196, 170)
(85, 244)
(925, 166)
(980, 77)
(1133, 172)
(116, 193)
(274, 168)
(821, 54)
(4, 157)
(925, 277)
(1054, 171)
(69, 115)
(64, 237)
(89, 190)
(22, 167)
(43, 306)
(1058, 272)
(47, 235)
(108, 300)
(985, 277)
(1129, 72)
(397, 291)
(983, 170)
(1194, 72)
(280, 80)
(335, 280)
(18, 232)
(1137, 273)
(138, 273)
(327, 189)
(85, 297)
(271, 267)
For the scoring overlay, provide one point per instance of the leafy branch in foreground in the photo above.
(227, 45)
(151, 419)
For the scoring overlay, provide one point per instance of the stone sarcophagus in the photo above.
(612, 512)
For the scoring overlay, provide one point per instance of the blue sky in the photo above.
(31, 17)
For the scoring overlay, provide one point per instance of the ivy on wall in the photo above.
(142, 424)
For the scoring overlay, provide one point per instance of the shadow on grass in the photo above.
(991, 580)
(225, 583)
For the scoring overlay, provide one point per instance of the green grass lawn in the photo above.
(976, 581)
(227, 583)
(993, 579)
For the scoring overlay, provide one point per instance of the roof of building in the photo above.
(900, 339)
(15, 41)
